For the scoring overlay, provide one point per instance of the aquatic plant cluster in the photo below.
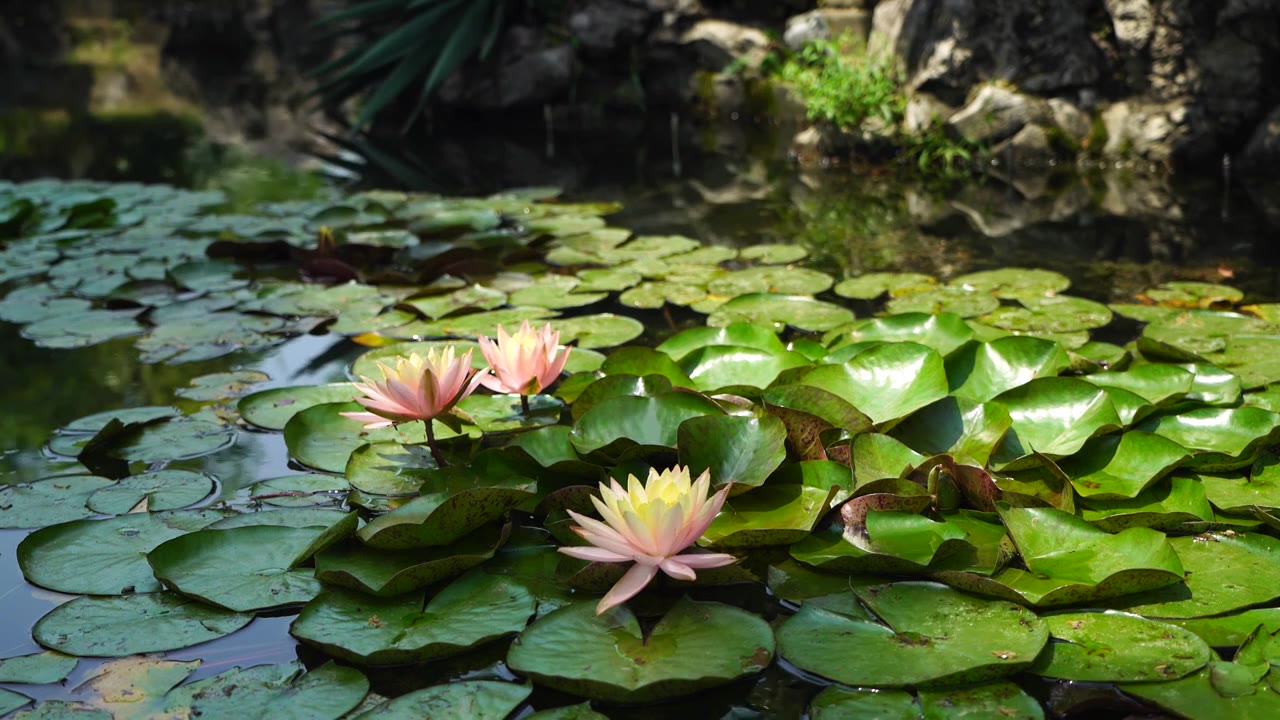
(927, 505)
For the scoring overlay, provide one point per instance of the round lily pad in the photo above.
(1118, 647)
(872, 285)
(943, 332)
(785, 280)
(981, 371)
(37, 669)
(598, 331)
(840, 703)
(1049, 314)
(1223, 572)
(886, 382)
(301, 490)
(781, 311)
(1014, 283)
(452, 502)
(697, 645)
(241, 569)
(931, 635)
(1219, 438)
(1053, 416)
(278, 691)
(221, 386)
(631, 420)
(272, 409)
(960, 301)
(471, 699)
(104, 557)
(161, 490)
(736, 449)
(93, 423)
(394, 572)
(475, 609)
(49, 501)
(1121, 466)
(133, 624)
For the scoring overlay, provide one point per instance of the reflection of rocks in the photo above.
(1262, 154)
(995, 114)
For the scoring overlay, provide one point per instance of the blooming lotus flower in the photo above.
(417, 389)
(525, 362)
(650, 524)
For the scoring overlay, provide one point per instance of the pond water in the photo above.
(1112, 234)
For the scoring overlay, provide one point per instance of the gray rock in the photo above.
(1030, 149)
(1133, 21)
(1070, 119)
(1170, 133)
(806, 28)
(996, 113)
(603, 26)
(1262, 154)
(923, 111)
(717, 43)
(529, 80)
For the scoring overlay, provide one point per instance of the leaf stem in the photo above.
(431, 443)
(524, 404)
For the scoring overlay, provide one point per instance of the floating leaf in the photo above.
(1224, 572)
(1121, 466)
(221, 386)
(161, 490)
(50, 501)
(1053, 416)
(955, 426)
(780, 311)
(931, 635)
(38, 669)
(133, 624)
(1118, 647)
(472, 699)
(638, 420)
(872, 285)
(104, 557)
(1166, 506)
(697, 645)
(737, 449)
(779, 514)
(943, 332)
(1219, 438)
(839, 703)
(393, 572)
(989, 700)
(272, 409)
(475, 609)
(887, 382)
(278, 691)
(786, 280)
(1049, 314)
(961, 301)
(452, 502)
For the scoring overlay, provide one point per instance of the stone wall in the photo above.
(1172, 83)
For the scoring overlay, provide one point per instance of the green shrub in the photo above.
(841, 89)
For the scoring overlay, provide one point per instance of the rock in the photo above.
(995, 114)
(1262, 154)
(947, 46)
(806, 28)
(1070, 119)
(523, 80)
(923, 111)
(605, 25)
(717, 43)
(1133, 21)
(1030, 149)
(825, 24)
(1172, 134)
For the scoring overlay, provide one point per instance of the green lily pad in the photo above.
(581, 711)
(393, 572)
(955, 426)
(735, 448)
(943, 332)
(1165, 505)
(631, 420)
(989, 700)
(1015, 282)
(214, 336)
(1235, 493)
(1121, 466)
(598, 331)
(133, 624)
(961, 301)
(719, 366)
(653, 294)
(555, 292)
(91, 424)
(877, 457)
(807, 412)
(1230, 631)
(641, 361)
(152, 442)
(161, 490)
(503, 413)
(1252, 358)
(736, 334)
(839, 703)
(780, 311)
(388, 468)
(84, 328)
(452, 502)
(1053, 416)
(278, 691)
(1197, 697)
(475, 609)
(272, 409)
(1224, 572)
(771, 515)
(321, 438)
(1118, 647)
(301, 490)
(467, 700)
(1191, 335)
(785, 280)
(872, 285)
(37, 669)
(1157, 384)
(981, 371)
(50, 501)
(104, 557)
(1213, 385)
(221, 386)
(773, 253)
(10, 701)
(1219, 438)
(1049, 314)
(600, 389)
(1184, 293)
(932, 635)
(697, 645)
(245, 568)
(886, 382)
(470, 325)
(607, 279)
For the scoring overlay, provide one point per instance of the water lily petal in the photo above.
(594, 554)
(633, 582)
(702, 561)
(677, 569)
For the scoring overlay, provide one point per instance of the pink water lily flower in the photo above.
(523, 363)
(416, 389)
(650, 523)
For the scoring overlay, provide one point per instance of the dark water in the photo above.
(1113, 233)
